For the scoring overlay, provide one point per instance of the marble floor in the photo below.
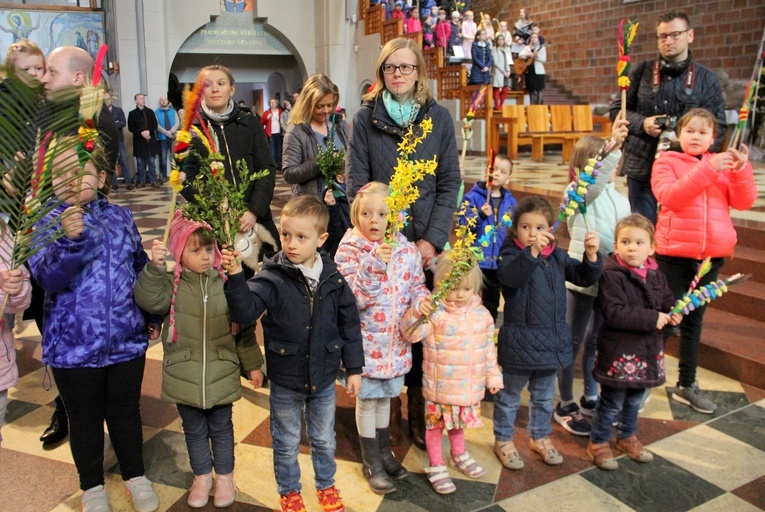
(702, 463)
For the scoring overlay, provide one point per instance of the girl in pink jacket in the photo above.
(386, 280)
(459, 364)
(696, 189)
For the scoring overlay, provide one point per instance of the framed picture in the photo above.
(51, 29)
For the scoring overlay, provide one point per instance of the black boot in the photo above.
(392, 467)
(416, 411)
(395, 422)
(379, 481)
(59, 425)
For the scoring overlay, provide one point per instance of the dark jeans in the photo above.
(641, 197)
(680, 272)
(92, 395)
(122, 160)
(165, 151)
(275, 141)
(491, 291)
(141, 163)
(612, 401)
(204, 428)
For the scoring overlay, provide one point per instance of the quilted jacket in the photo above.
(299, 158)
(372, 154)
(306, 336)
(630, 347)
(459, 356)
(694, 220)
(383, 294)
(202, 368)
(534, 335)
(91, 317)
(476, 198)
(9, 372)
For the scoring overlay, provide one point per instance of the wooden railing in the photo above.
(391, 29)
(374, 19)
(450, 80)
(417, 36)
(434, 60)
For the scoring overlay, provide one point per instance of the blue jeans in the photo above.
(612, 401)
(122, 160)
(140, 164)
(506, 403)
(286, 410)
(275, 141)
(209, 427)
(585, 322)
(641, 198)
(165, 151)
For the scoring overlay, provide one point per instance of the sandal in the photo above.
(468, 466)
(440, 480)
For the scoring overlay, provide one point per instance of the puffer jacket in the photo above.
(383, 294)
(459, 356)
(9, 372)
(672, 99)
(605, 208)
(372, 154)
(476, 198)
(307, 336)
(630, 347)
(202, 368)
(91, 317)
(299, 158)
(694, 218)
(534, 335)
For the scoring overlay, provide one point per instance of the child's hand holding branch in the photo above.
(71, 222)
(542, 240)
(425, 308)
(591, 245)
(12, 281)
(619, 130)
(740, 157)
(158, 253)
(230, 260)
(663, 320)
(384, 252)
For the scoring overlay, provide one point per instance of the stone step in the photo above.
(751, 235)
(746, 299)
(747, 260)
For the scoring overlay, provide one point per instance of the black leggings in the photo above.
(92, 395)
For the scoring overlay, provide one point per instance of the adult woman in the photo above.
(309, 129)
(401, 98)
(481, 54)
(535, 75)
(284, 119)
(240, 137)
(502, 64)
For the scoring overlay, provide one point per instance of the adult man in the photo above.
(661, 91)
(142, 123)
(120, 122)
(167, 126)
(271, 124)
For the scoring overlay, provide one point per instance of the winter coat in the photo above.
(372, 154)
(605, 208)
(137, 123)
(443, 33)
(299, 154)
(672, 99)
(455, 36)
(240, 138)
(307, 337)
(502, 62)
(265, 119)
(534, 335)
(202, 368)
(459, 356)
(339, 219)
(119, 121)
(476, 198)
(481, 59)
(91, 317)
(694, 218)
(383, 294)
(630, 347)
(9, 372)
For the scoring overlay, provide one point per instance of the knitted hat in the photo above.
(181, 229)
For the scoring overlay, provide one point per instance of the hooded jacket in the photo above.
(299, 158)
(476, 198)
(383, 294)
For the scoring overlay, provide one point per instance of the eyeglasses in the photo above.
(673, 35)
(405, 69)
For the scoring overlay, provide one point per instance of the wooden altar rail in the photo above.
(391, 29)
(374, 19)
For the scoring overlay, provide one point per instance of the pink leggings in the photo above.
(433, 444)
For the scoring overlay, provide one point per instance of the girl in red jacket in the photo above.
(696, 188)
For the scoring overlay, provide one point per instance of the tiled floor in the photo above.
(702, 462)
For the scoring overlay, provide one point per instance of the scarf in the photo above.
(403, 114)
(546, 252)
(642, 272)
(218, 117)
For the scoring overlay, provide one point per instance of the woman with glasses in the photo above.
(400, 99)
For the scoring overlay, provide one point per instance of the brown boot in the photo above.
(634, 448)
(395, 422)
(416, 412)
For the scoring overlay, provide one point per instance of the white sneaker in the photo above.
(142, 494)
(95, 500)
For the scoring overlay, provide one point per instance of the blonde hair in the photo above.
(23, 46)
(421, 89)
(474, 278)
(314, 89)
(308, 207)
(373, 187)
(587, 147)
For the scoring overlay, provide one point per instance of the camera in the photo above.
(667, 125)
(666, 122)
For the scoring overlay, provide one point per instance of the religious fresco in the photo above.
(51, 29)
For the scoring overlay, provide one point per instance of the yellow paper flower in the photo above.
(183, 136)
(624, 82)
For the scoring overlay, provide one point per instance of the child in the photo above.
(460, 362)
(312, 326)
(634, 299)
(26, 56)
(534, 341)
(95, 335)
(15, 284)
(386, 279)
(696, 189)
(495, 210)
(202, 358)
(336, 199)
(605, 207)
